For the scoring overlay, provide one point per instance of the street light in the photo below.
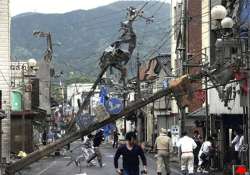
(32, 62)
(218, 12)
(32, 66)
(219, 43)
(227, 23)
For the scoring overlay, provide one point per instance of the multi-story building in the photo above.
(154, 76)
(5, 76)
(223, 119)
(192, 30)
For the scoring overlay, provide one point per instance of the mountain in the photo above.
(80, 36)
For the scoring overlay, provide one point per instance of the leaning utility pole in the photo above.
(183, 55)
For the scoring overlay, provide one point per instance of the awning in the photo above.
(201, 112)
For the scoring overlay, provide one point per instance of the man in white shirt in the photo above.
(187, 145)
(237, 143)
(204, 155)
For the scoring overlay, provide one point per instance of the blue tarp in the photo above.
(103, 95)
(103, 100)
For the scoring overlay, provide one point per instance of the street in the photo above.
(173, 75)
(58, 165)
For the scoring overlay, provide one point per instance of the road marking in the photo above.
(52, 164)
(175, 171)
(82, 174)
(109, 155)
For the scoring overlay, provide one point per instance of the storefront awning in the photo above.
(201, 112)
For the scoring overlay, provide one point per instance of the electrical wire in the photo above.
(155, 50)
(97, 26)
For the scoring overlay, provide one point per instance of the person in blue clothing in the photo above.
(130, 155)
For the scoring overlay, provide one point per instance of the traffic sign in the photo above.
(114, 106)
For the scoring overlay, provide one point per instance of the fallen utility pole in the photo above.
(20, 164)
(127, 26)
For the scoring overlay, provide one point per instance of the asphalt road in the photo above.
(58, 165)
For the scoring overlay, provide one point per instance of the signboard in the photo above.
(114, 106)
(175, 130)
(239, 169)
(19, 68)
(165, 83)
(103, 95)
(85, 120)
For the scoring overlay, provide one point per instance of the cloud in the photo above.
(53, 6)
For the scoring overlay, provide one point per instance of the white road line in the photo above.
(109, 156)
(175, 171)
(52, 164)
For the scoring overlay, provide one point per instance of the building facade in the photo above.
(5, 76)
(78, 91)
(223, 119)
(193, 51)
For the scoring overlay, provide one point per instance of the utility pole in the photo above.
(124, 104)
(23, 111)
(138, 96)
(207, 109)
(183, 55)
(248, 94)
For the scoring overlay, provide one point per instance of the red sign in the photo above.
(240, 170)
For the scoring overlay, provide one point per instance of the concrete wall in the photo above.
(5, 74)
(43, 75)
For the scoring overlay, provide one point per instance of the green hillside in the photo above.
(81, 36)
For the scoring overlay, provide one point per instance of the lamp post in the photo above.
(225, 42)
(218, 12)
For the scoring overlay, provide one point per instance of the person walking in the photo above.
(187, 145)
(98, 139)
(44, 137)
(237, 142)
(198, 141)
(204, 156)
(130, 156)
(115, 139)
(163, 147)
(169, 134)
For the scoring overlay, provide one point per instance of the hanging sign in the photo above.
(114, 106)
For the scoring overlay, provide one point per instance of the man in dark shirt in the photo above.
(98, 139)
(44, 137)
(130, 154)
